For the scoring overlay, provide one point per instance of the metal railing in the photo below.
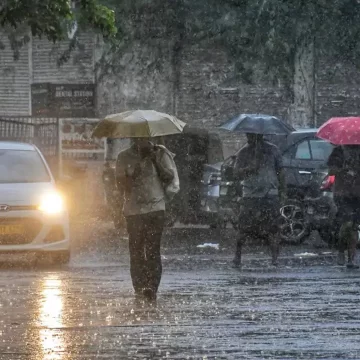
(40, 131)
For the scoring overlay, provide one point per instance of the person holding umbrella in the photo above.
(259, 172)
(147, 178)
(344, 164)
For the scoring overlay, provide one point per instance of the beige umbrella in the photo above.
(138, 123)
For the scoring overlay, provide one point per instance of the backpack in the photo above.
(172, 188)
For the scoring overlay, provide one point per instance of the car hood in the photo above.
(24, 194)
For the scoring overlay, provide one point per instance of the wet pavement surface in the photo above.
(307, 308)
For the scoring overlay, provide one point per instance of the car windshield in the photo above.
(22, 166)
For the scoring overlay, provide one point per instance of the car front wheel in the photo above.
(293, 228)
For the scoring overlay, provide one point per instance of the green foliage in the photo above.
(256, 33)
(98, 17)
(51, 18)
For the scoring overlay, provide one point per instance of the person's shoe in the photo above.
(275, 262)
(149, 295)
(139, 299)
(352, 265)
(341, 259)
(236, 263)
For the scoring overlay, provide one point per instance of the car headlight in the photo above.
(52, 203)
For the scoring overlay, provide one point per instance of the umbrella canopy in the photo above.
(341, 131)
(257, 124)
(138, 123)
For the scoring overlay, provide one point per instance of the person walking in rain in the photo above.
(259, 171)
(344, 163)
(143, 172)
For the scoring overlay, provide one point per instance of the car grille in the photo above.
(18, 231)
(22, 208)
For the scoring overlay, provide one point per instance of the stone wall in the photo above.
(142, 80)
(201, 70)
(208, 95)
(338, 90)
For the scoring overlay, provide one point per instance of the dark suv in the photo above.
(305, 163)
(304, 158)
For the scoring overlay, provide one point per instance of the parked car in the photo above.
(305, 162)
(304, 159)
(33, 216)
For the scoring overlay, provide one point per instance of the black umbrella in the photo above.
(257, 124)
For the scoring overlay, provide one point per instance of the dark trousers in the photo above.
(348, 214)
(259, 217)
(145, 232)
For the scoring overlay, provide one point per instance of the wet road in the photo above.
(306, 309)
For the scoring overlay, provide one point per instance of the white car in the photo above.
(33, 217)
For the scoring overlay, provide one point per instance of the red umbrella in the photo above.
(341, 131)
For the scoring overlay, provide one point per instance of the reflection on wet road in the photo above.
(206, 310)
(50, 317)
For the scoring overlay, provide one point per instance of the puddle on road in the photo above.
(302, 312)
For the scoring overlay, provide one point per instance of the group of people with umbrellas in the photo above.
(147, 178)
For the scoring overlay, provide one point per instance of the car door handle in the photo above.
(304, 172)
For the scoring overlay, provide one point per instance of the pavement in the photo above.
(307, 308)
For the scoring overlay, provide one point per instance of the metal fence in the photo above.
(42, 132)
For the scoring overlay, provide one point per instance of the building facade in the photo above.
(197, 83)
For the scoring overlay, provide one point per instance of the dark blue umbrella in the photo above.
(257, 124)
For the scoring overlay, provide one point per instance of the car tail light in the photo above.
(328, 183)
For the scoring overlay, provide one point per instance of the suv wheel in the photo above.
(293, 228)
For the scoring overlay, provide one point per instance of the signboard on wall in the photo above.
(74, 100)
(63, 100)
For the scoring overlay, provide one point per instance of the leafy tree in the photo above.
(51, 18)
